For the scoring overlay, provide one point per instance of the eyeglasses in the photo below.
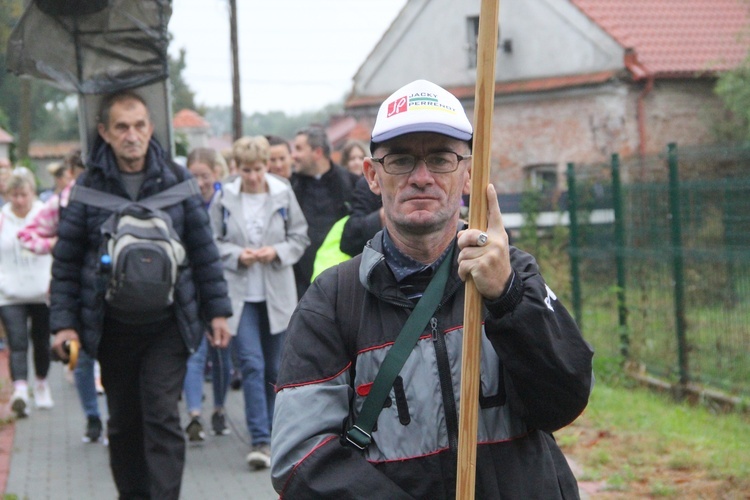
(443, 162)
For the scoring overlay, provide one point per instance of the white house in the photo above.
(193, 127)
(576, 80)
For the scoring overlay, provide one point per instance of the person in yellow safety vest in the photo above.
(329, 254)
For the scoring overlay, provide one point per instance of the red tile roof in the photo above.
(187, 118)
(501, 88)
(676, 37)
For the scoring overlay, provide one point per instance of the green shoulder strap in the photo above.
(360, 433)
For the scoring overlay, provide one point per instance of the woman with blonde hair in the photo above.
(209, 169)
(24, 283)
(261, 232)
(39, 236)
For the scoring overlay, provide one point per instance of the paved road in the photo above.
(49, 460)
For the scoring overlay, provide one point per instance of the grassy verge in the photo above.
(633, 443)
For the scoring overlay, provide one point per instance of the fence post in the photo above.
(622, 311)
(677, 261)
(574, 248)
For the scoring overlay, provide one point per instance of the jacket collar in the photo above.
(103, 159)
(377, 277)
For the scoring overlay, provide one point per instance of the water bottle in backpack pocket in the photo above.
(141, 253)
(146, 255)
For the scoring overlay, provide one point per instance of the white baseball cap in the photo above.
(421, 106)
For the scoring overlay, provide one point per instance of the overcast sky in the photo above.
(295, 55)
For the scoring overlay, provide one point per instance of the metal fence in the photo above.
(665, 280)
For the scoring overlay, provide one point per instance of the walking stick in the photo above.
(484, 100)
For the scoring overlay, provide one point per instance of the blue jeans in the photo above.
(259, 353)
(86, 384)
(221, 366)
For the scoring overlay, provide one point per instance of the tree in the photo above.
(10, 11)
(51, 117)
(273, 122)
(279, 123)
(182, 96)
(733, 88)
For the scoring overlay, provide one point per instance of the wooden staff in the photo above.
(484, 100)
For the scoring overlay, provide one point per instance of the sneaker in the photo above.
(42, 395)
(93, 430)
(219, 424)
(260, 456)
(194, 431)
(20, 401)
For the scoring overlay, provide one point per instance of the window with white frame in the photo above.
(542, 176)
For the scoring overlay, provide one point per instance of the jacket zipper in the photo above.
(446, 385)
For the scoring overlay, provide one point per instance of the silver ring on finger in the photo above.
(482, 239)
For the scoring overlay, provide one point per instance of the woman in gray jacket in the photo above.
(261, 233)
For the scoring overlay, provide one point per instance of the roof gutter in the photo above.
(639, 73)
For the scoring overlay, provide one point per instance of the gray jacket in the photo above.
(535, 378)
(285, 231)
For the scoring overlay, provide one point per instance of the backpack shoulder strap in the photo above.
(172, 195)
(109, 201)
(349, 296)
(96, 198)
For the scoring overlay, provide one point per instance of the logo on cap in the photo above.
(398, 106)
(421, 106)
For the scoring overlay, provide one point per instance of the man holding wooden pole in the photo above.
(369, 386)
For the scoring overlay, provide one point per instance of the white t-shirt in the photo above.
(253, 214)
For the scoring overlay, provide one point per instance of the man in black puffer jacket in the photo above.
(324, 192)
(143, 360)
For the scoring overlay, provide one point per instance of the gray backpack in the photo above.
(140, 251)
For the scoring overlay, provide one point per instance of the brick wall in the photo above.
(586, 125)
